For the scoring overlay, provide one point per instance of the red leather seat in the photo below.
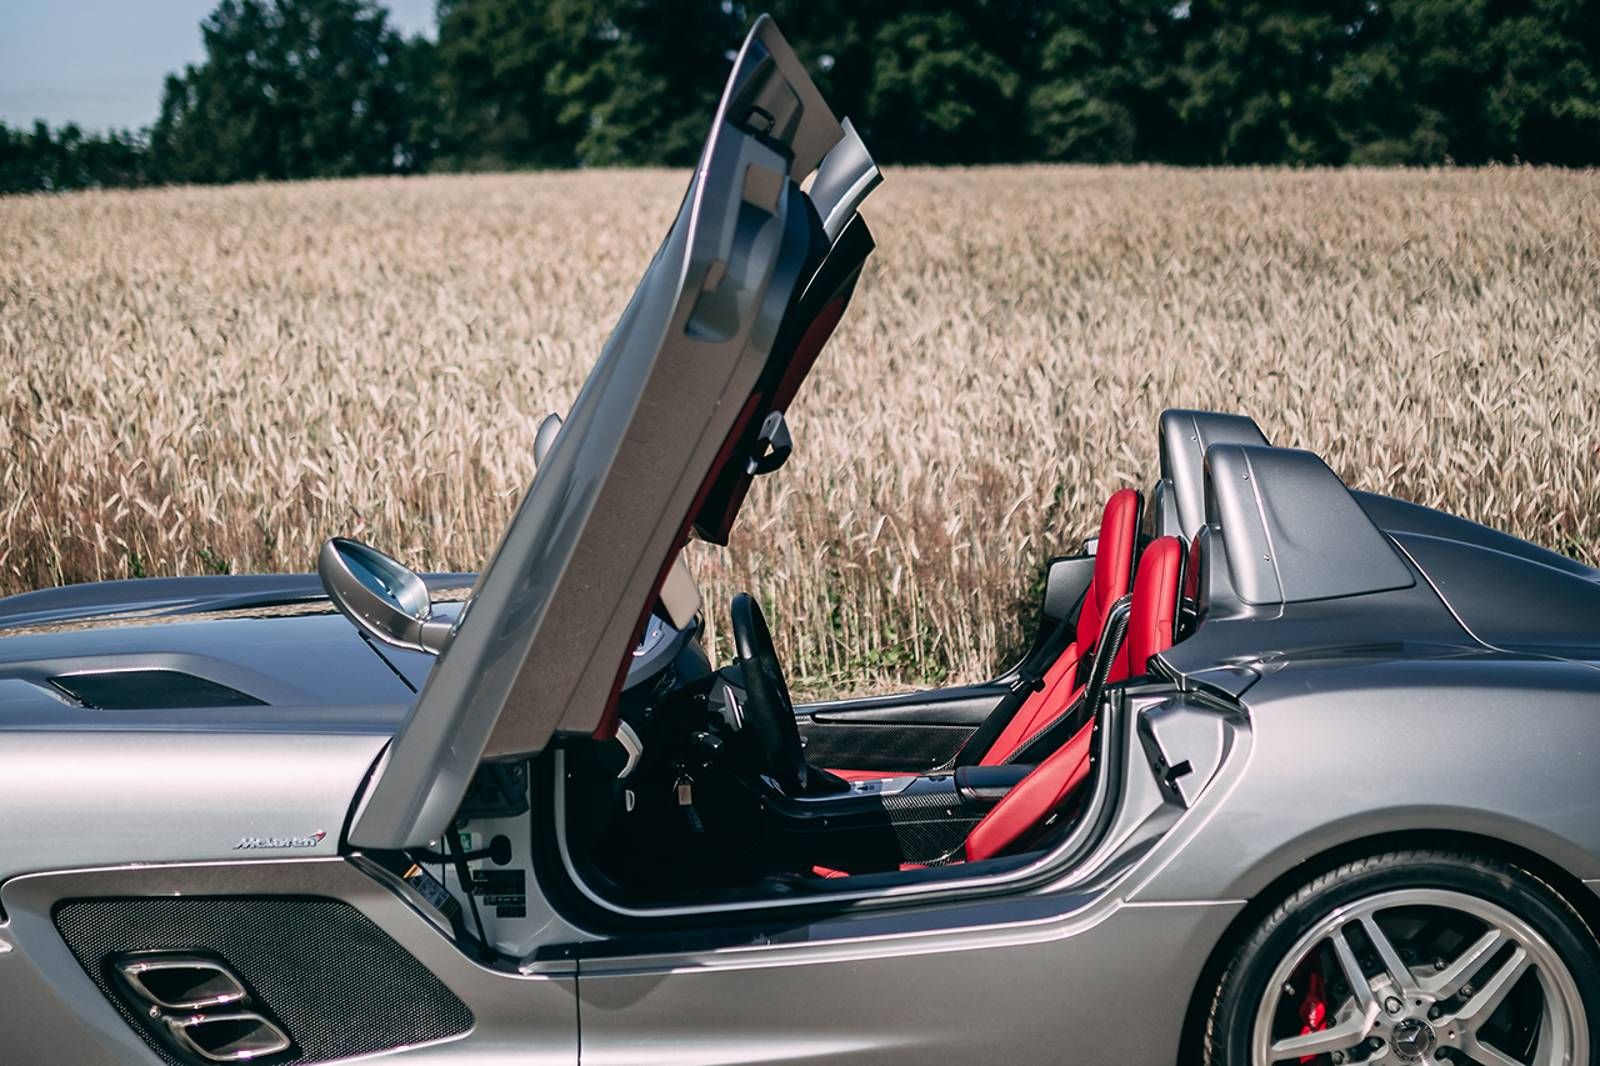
(1024, 810)
(1113, 563)
(1022, 815)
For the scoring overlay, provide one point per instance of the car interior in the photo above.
(707, 794)
(709, 789)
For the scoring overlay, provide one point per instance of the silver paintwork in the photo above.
(545, 437)
(1185, 437)
(88, 798)
(381, 597)
(1293, 531)
(161, 598)
(52, 1013)
(1093, 951)
(844, 180)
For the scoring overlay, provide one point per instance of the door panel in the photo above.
(911, 732)
(914, 732)
(664, 435)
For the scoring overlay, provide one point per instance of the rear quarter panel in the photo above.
(1347, 749)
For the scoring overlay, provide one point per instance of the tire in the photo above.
(1475, 917)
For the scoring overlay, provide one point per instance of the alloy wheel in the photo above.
(1421, 977)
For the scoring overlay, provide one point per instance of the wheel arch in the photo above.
(1567, 885)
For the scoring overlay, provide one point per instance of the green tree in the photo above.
(295, 89)
(834, 40)
(496, 60)
(594, 82)
(1544, 99)
(938, 95)
(45, 160)
(1106, 82)
(1472, 81)
(1256, 77)
(646, 98)
(304, 88)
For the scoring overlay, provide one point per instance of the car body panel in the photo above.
(1061, 972)
(312, 657)
(164, 596)
(537, 649)
(129, 794)
(1478, 743)
(909, 732)
(84, 786)
(1386, 714)
(1293, 531)
(1179, 503)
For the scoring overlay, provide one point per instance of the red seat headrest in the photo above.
(1113, 564)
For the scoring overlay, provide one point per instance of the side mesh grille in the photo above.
(338, 985)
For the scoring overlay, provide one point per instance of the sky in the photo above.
(101, 63)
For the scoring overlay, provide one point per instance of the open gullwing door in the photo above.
(681, 410)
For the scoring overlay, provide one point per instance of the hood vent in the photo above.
(149, 690)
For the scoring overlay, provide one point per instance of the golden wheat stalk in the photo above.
(208, 379)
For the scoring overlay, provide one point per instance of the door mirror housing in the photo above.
(383, 598)
(545, 438)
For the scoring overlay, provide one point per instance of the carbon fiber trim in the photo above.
(338, 984)
(928, 826)
(909, 749)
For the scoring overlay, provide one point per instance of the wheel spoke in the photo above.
(1484, 1055)
(1353, 972)
(1347, 1034)
(1399, 972)
(1448, 982)
(1494, 990)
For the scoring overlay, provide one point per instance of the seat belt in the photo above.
(1053, 734)
(1029, 679)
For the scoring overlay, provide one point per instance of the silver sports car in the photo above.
(1292, 774)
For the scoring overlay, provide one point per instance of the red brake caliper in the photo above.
(1313, 1009)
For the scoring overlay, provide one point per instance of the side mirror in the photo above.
(545, 438)
(383, 598)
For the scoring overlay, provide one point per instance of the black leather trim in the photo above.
(1066, 579)
(987, 785)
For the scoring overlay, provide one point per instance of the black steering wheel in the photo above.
(768, 709)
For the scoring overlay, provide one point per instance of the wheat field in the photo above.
(211, 380)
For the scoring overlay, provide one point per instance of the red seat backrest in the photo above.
(1021, 815)
(1154, 618)
(1113, 563)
